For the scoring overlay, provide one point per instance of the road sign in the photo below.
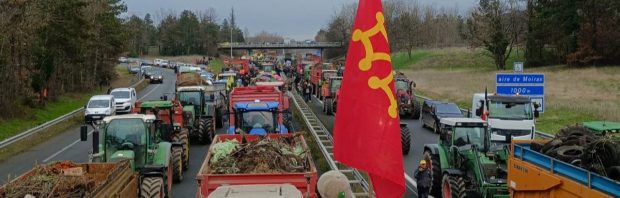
(517, 67)
(520, 79)
(521, 89)
(532, 85)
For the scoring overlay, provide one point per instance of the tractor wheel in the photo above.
(207, 131)
(329, 108)
(416, 109)
(218, 119)
(152, 187)
(405, 139)
(177, 164)
(453, 187)
(199, 133)
(436, 173)
(184, 138)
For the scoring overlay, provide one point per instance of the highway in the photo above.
(66, 146)
(420, 136)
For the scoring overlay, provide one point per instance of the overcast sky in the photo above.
(296, 19)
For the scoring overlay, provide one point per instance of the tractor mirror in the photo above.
(96, 141)
(478, 112)
(83, 133)
(164, 97)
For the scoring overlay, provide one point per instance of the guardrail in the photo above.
(466, 112)
(46, 125)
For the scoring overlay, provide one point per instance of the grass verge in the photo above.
(60, 108)
(572, 95)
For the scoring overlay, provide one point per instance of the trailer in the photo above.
(534, 174)
(65, 178)
(208, 182)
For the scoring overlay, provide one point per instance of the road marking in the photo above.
(63, 149)
(89, 133)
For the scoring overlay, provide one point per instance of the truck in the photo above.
(138, 139)
(208, 182)
(408, 104)
(509, 116)
(465, 163)
(258, 110)
(534, 174)
(201, 114)
(68, 179)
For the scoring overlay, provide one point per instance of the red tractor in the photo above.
(319, 75)
(407, 103)
(330, 92)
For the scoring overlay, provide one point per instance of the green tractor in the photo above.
(464, 164)
(171, 115)
(605, 128)
(137, 138)
(202, 109)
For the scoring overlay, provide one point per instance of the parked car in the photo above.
(158, 62)
(156, 77)
(125, 99)
(98, 107)
(433, 111)
(123, 60)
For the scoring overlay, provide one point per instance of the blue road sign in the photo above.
(520, 89)
(520, 79)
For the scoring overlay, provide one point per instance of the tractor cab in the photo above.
(334, 85)
(256, 118)
(464, 157)
(192, 99)
(132, 137)
(407, 103)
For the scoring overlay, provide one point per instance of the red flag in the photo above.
(367, 132)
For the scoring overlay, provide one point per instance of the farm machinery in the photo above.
(171, 115)
(138, 139)
(407, 103)
(464, 163)
(258, 110)
(330, 92)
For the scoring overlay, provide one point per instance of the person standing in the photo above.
(424, 178)
(307, 91)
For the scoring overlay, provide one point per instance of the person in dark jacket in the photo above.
(424, 179)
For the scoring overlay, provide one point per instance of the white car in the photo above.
(98, 107)
(125, 99)
(158, 62)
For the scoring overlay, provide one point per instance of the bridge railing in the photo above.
(281, 45)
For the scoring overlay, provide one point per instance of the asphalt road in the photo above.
(420, 137)
(66, 146)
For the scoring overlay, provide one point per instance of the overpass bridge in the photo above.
(251, 46)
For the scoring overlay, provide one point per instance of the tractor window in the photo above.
(335, 85)
(469, 135)
(189, 97)
(126, 134)
(510, 110)
(401, 84)
(258, 119)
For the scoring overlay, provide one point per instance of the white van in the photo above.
(98, 107)
(125, 99)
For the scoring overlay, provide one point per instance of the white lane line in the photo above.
(63, 149)
(75, 142)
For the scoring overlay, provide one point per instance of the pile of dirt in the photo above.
(282, 155)
(190, 79)
(59, 179)
(581, 147)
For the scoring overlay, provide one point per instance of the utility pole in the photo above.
(231, 34)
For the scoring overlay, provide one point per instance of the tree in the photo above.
(489, 26)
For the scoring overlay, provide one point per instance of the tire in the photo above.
(199, 132)
(206, 131)
(436, 174)
(218, 119)
(416, 108)
(177, 164)
(453, 186)
(329, 108)
(405, 139)
(569, 153)
(152, 187)
(184, 138)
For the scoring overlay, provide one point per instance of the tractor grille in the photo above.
(490, 170)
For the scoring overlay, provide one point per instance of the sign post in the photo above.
(517, 67)
(532, 85)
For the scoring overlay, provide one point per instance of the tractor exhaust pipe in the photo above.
(96, 141)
